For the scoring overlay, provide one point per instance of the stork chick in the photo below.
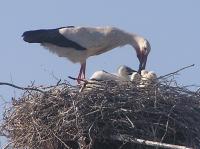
(136, 78)
(122, 74)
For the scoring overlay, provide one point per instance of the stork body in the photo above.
(79, 43)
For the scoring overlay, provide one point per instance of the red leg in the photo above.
(79, 75)
(82, 72)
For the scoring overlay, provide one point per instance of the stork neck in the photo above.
(134, 40)
(122, 73)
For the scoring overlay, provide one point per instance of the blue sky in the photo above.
(172, 27)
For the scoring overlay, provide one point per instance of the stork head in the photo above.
(125, 71)
(143, 48)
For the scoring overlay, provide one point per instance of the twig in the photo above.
(172, 73)
(7, 145)
(167, 123)
(61, 141)
(130, 121)
(84, 84)
(78, 79)
(22, 88)
(58, 82)
(89, 134)
(127, 138)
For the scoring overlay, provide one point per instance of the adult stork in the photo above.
(79, 43)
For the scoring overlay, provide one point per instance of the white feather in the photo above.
(96, 41)
(121, 75)
(95, 38)
(151, 76)
(144, 73)
(73, 55)
(135, 77)
(89, 41)
(103, 76)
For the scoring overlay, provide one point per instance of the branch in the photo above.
(77, 79)
(172, 73)
(22, 88)
(130, 139)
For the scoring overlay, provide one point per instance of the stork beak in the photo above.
(130, 71)
(143, 60)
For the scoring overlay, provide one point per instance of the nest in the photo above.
(108, 115)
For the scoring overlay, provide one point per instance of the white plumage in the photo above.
(151, 76)
(144, 73)
(103, 76)
(145, 79)
(79, 43)
(122, 74)
(135, 77)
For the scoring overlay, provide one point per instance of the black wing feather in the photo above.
(51, 36)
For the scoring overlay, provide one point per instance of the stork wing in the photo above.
(88, 37)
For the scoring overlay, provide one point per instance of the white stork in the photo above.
(152, 77)
(122, 74)
(145, 79)
(135, 77)
(79, 43)
(144, 73)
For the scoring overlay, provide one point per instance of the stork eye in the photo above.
(145, 49)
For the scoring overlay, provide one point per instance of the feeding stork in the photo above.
(122, 74)
(79, 43)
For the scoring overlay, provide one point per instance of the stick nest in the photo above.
(63, 117)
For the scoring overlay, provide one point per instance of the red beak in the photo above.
(143, 60)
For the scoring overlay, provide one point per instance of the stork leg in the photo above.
(84, 68)
(82, 72)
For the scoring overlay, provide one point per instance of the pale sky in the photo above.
(172, 28)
